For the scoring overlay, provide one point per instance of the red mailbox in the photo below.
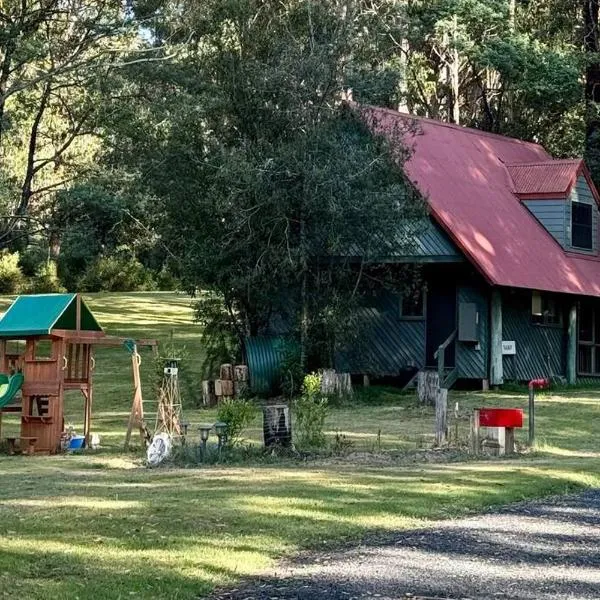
(501, 417)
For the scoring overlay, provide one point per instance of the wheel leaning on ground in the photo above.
(159, 449)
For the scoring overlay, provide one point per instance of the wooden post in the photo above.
(572, 345)
(78, 313)
(475, 432)
(531, 416)
(136, 416)
(509, 440)
(428, 383)
(441, 417)
(496, 373)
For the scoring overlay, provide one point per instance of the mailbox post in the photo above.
(534, 384)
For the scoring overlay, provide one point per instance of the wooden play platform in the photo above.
(47, 347)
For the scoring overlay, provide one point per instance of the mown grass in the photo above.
(100, 525)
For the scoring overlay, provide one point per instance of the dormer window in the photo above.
(581, 226)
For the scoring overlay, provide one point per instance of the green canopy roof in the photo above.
(40, 314)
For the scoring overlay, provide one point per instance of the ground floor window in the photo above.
(588, 355)
(545, 309)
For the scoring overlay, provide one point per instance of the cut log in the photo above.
(441, 417)
(277, 427)
(225, 386)
(240, 373)
(208, 393)
(227, 372)
(428, 384)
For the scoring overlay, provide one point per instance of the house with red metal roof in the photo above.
(510, 261)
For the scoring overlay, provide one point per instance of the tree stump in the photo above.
(328, 382)
(441, 417)
(338, 384)
(208, 393)
(428, 384)
(277, 427)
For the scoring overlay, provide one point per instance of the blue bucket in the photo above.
(76, 442)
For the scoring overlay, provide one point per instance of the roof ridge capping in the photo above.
(470, 130)
(545, 163)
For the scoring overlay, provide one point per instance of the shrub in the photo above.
(11, 276)
(45, 280)
(238, 414)
(117, 273)
(310, 412)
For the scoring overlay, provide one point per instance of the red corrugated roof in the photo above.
(462, 173)
(550, 177)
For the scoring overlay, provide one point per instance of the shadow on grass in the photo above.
(198, 528)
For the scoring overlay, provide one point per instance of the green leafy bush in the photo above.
(310, 412)
(45, 280)
(11, 276)
(120, 272)
(238, 414)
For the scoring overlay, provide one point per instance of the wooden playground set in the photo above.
(47, 344)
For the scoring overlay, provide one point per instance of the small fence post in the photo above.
(531, 415)
(441, 417)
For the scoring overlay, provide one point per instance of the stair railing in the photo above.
(440, 354)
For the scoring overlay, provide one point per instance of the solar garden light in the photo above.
(221, 430)
(204, 434)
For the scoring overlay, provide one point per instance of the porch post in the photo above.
(496, 374)
(572, 345)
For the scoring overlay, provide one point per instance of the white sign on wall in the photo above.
(509, 348)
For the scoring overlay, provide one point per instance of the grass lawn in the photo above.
(100, 525)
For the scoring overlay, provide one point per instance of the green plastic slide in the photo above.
(9, 386)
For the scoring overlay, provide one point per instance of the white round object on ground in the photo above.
(159, 449)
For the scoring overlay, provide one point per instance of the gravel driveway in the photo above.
(534, 550)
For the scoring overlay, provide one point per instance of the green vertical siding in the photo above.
(472, 361)
(541, 350)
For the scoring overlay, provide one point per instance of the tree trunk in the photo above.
(277, 427)
(592, 86)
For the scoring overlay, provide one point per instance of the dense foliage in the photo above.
(205, 144)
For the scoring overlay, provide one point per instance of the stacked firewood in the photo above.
(232, 383)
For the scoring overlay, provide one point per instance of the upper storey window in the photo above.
(582, 226)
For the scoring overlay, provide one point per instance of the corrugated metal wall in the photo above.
(541, 349)
(472, 360)
(387, 345)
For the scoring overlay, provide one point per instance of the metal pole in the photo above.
(531, 415)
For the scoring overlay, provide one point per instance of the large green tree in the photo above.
(267, 183)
